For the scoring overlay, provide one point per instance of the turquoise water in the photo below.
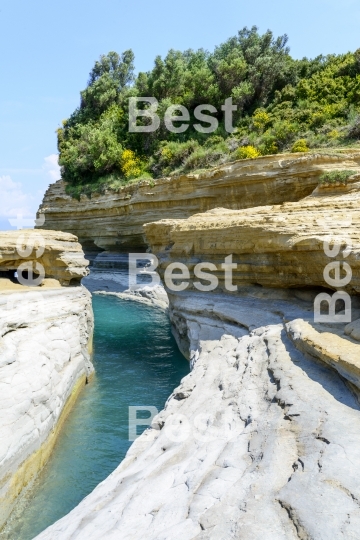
(137, 363)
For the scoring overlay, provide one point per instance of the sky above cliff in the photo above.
(48, 48)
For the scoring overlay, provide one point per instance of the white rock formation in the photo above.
(60, 254)
(115, 282)
(260, 440)
(45, 340)
(154, 296)
(106, 281)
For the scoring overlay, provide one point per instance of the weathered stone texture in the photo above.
(113, 221)
(59, 253)
(274, 246)
(277, 460)
(45, 344)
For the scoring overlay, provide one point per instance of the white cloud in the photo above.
(52, 168)
(23, 198)
(13, 200)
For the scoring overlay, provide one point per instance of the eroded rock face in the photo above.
(274, 246)
(60, 254)
(45, 344)
(114, 221)
(259, 441)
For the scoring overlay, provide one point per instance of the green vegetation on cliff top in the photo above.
(283, 105)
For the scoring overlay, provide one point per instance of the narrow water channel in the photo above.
(138, 363)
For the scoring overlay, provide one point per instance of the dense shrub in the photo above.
(354, 128)
(334, 177)
(300, 146)
(283, 105)
(205, 157)
(172, 156)
(268, 145)
(261, 119)
(246, 152)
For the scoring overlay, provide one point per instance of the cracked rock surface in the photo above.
(114, 220)
(260, 441)
(44, 353)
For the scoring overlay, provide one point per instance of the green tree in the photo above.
(281, 101)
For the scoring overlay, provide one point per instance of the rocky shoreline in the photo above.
(261, 439)
(277, 457)
(46, 339)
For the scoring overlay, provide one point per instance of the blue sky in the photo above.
(48, 48)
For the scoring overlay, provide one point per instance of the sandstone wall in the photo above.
(60, 254)
(274, 246)
(114, 221)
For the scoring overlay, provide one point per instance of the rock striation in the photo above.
(113, 221)
(58, 253)
(261, 439)
(274, 246)
(45, 345)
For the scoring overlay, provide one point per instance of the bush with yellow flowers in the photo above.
(261, 119)
(130, 164)
(300, 146)
(246, 152)
(334, 134)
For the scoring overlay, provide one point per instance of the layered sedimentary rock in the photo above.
(261, 439)
(45, 345)
(113, 221)
(60, 254)
(273, 246)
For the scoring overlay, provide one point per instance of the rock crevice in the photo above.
(261, 439)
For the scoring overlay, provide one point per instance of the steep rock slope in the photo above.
(45, 344)
(274, 246)
(261, 439)
(114, 221)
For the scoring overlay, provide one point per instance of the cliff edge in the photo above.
(261, 439)
(114, 221)
(45, 345)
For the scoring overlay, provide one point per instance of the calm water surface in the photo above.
(137, 363)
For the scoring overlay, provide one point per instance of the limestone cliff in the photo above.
(45, 345)
(59, 253)
(261, 439)
(113, 221)
(273, 246)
